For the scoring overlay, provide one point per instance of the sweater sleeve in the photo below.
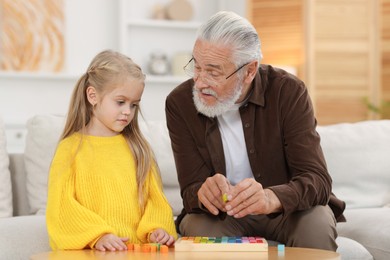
(158, 212)
(70, 225)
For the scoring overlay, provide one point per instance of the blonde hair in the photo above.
(106, 70)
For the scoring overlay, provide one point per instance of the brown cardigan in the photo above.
(282, 143)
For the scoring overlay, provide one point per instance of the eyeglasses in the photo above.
(212, 77)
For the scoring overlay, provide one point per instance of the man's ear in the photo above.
(251, 71)
(91, 95)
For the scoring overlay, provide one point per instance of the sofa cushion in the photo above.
(20, 203)
(350, 249)
(5, 177)
(358, 160)
(22, 237)
(43, 132)
(156, 132)
(369, 227)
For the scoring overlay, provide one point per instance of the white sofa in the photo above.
(358, 157)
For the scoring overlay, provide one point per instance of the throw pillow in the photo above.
(357, 155)
(156, 132)
(43, 133)
(5, 177)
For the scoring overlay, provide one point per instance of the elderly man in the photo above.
(244, 138)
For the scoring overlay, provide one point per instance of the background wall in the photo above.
(341, 49)
(91, 26)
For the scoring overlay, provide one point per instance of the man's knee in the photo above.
(200, 225)
(314, 228)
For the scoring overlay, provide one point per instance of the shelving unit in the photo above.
(140, 35)
(25, 94)
(28, 94)
(149, 23)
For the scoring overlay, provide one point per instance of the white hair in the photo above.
(231, 30)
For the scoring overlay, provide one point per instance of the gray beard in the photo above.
(221, 105)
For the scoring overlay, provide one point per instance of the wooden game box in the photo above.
(225, 244)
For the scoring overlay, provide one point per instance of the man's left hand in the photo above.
(249, 198)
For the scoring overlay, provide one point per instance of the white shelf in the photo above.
(168, 79)
(37, 75)
(156, 24)
(141, 36)
(25, 76)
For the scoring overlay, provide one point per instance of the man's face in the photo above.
(213, 93)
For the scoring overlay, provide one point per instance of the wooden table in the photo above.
(290, 253)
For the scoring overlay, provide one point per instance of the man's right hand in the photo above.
(211, 191)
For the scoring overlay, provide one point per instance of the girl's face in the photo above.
(114, 110)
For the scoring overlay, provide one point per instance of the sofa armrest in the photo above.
(18, 180)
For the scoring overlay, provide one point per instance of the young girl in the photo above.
(104, 185)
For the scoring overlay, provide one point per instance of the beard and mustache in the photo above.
(222, 104)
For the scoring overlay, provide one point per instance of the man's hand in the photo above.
(249, 198)
(210, 193)
(111, 242)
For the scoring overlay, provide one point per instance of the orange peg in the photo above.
(164, 249)
(153, 248)
(137, 247)
(145, 248)
(130, 246)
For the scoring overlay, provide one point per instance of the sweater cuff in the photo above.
(93, 242)
(148, 236)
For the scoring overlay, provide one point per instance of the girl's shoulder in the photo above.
(78, 140)
(69, 142)
(66, 149)
(72, 138)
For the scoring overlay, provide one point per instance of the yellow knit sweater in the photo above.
(94, 192)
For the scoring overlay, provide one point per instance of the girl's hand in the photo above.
(162, 237)
(111, 242)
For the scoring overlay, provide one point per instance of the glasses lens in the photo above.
(207, 77)
(189, 68)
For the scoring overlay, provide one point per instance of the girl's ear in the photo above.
(251, 71)
(91, 95)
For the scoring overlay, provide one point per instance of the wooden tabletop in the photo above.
(290, 253)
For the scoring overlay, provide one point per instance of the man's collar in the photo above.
(256, 93)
